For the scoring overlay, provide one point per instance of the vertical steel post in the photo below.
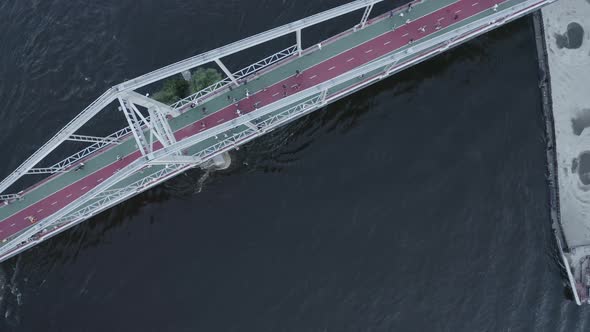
(299, 48)
(135, 129)
(323, 96)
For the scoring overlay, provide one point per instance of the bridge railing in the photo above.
(240, 74)
(440, 42)
(214, 55)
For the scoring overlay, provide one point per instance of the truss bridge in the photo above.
(158, 141)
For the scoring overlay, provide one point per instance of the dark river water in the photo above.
(418, 204)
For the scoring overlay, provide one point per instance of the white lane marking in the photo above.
(458, 11)
(369, 51)
(405, 34)
(387, 42)
(190, 124)
(54, 203)
(276, 94)
(69, 196)
(349, 59)
(220, 120)
(294, 86)
(475, 4)
(314, 76)
(440, 19)
(12, 225)
(99, 180)
(39, 210)
(331, 67)
(84, 187)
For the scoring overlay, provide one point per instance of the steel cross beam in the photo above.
(226, 71)
(92, 139)
(76, 123)
(238, 46)
(135, 126)
(144, 101)
(177, 160)
(160, 126)
(112, 94)
(366, 15)
(298, 37)
(47, 170)
(257, 66)
(432, 46)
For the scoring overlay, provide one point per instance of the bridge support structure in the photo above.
(171, 159)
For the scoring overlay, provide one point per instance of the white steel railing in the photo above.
(243, 44)
(214, 55)
(115, 195)
(71, 160)
(76, 123)
(310, 96)
(240, 74)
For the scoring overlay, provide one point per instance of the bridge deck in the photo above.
(336, 56)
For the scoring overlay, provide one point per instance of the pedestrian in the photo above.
(285, 86)
(204, 110)
(118, 157)
(496, 7)
(285, 93)
(230, 89)
(193, 105)
(391, 14)
(247, 93)
(456, 17)
(320, 46)
(228, 98)
(202, 124)
(297, 73)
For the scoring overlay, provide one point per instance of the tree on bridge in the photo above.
(177, 88)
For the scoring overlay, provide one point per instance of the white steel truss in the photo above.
(298, 38)
(226, 71)
(9, 197)
(92, 139)
(63, 165)
(199, 96)
(264, 118)
(146, 102)
(134, 123)
(366, 15)
(113, 94)
(243, 44)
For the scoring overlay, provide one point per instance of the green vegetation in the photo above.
(175, 89)
(203, 78)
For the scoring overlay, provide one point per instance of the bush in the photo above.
(173, 90)
(203, 78)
